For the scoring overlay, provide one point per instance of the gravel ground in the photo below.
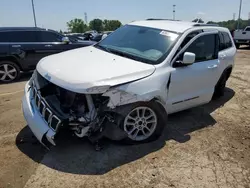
(208, 146)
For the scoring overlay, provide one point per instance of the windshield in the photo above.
(141, 43)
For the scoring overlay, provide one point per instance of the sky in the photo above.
(54, 14)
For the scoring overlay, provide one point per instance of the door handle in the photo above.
(16, 46)
(48, 45)
(223, 56)
(212, 66)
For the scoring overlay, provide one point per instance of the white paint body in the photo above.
(91, 70)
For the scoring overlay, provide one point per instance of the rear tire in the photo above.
(9, 71)
(144, 122)
(220, 86)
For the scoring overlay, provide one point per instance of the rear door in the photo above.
(194, 84)
(23, 46)
(227, 50)
(4, 44)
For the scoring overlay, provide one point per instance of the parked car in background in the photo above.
(75, 36)
(124, 87)
(22, 47)
(101, 36)
(242, 37)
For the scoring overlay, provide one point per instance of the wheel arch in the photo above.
(162, 106)
(228, 71)
(12, 59)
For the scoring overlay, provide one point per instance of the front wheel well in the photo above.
(161, 106)
(12, 59)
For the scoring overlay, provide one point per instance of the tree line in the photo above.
(230, 24)
(79, 26)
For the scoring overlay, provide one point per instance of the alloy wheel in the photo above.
(7, 72)
(140, 123)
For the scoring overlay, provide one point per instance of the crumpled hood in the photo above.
(87, 67)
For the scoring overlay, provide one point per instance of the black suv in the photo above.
(22, 47)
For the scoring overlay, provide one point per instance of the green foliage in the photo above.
(96, 24)
(232, 24)
(111, 25)
(77, 26)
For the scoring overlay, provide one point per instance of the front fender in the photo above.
(153, 87)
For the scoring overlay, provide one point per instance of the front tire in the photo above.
(9, 71)
(144, 122)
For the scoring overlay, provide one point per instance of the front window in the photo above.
(204, 48)
(144, 44)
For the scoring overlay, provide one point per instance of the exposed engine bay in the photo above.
(87, 115)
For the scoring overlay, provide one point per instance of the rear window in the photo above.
(22, 36)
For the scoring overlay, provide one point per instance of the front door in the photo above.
(194, 84)
(48, 43)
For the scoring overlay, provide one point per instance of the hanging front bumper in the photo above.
(34, 118)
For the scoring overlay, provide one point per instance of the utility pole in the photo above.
(174, 12)
(234, 16)
(34, 13)
(238, 25)
(86, 18)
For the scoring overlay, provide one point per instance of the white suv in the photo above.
(124, 87)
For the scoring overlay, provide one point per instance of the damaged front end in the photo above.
(87, 115)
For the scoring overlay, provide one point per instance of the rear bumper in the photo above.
(34, 119)
(247, 41)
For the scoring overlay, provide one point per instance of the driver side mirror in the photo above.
(188, 58)
(65, 40)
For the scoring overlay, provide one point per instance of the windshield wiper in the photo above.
(103, 48)
(130, 56)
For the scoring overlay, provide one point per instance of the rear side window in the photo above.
(22, 36)
(47, 36)
(4, 37)
(204, 48)
(225, 41)
(247, 29)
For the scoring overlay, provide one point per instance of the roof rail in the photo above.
(161, 19)
(202, 24)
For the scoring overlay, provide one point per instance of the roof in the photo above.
(20, 28)
(175, 26)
